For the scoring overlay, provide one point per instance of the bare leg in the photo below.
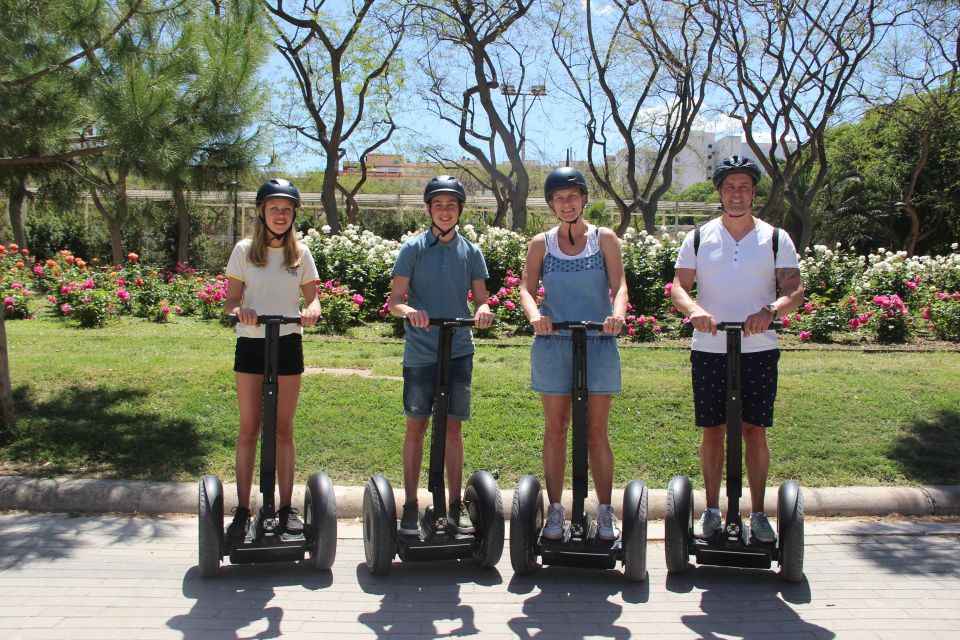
(712, 448)
(557, 411)
(598, 446)
(287, 395)
(249, 403)
(758, 463)
(454, 459)
(413, 457)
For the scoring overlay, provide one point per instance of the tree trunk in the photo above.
(183, 217)
(113, 226)
(328, 196)
(6, 392)
(17, 206)
(518, 201)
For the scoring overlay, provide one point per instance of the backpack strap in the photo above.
(696, 241)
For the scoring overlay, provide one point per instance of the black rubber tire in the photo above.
(485, 506)
(634, 542)
(210, 510)
(320, 521)
(790, 531)
(379, 525)
(526, 520)
(678, 524)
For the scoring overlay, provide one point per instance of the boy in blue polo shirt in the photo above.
(431, 278)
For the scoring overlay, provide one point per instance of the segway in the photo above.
(733, 545)
(438, 538)
(579, 546)
(264, 541)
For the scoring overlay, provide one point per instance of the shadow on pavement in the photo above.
(38, 536)
(239, 597)
(928, 450)
(105, 429)
(422, 599)
(745, 603)
(574, 603)
(909, 549)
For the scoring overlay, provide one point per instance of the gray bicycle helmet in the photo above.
(561, 178)
(735, 164)
(444, 184)
(278, 188)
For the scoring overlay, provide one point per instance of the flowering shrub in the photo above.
(211, 294)
(891, 323)
(359, 259)
(503, 250)
(648, 262)
(643, 328)
(505, 305)
(944, 314)
(340, 307)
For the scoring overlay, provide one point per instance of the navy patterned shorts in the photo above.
(758, 379)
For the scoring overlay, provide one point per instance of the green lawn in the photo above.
(148, 401)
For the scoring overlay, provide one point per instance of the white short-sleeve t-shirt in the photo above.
(272, 289)
(735, 279)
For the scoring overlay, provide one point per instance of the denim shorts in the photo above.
(551, 365)
(420, 387)
(758, 382)
(248, 356)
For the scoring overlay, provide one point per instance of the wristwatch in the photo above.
(772, 308)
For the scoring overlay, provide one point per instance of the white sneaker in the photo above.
(760, 528)
(553, 529)
(607, 523)
(708, 525)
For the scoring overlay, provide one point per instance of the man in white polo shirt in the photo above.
(737, 268)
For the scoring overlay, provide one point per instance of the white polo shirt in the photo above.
(272, 289)
(735, 278)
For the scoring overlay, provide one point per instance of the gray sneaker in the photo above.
(460, 517)
(410, 522)
(708, 525)
(553, 529)
(760, 528)
(607, 523)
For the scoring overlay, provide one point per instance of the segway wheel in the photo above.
(485, 506)
(678, 524)
(210, 510)
(635, 531)
(320, 516)
(790, 531)
(379, 525)
(526, 520)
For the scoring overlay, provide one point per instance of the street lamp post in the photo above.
(536, 91)
(236, 217)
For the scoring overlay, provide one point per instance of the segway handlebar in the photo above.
(266, 319)
(585, 324)
(453, 322)
(776, 325)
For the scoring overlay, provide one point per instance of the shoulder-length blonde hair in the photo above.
(260, 241)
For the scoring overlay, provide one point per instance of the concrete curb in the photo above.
(137, 496)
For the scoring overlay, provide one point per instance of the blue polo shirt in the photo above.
(440, 277)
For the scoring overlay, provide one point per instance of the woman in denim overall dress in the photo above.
(581, 269)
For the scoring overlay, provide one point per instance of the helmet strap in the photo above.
(281, 237)
(443, 232)
(570, 227)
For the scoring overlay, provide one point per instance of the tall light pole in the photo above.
(536, 91)
(236, 217)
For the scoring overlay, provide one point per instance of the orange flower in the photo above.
(14, 247)
(132, 257)
(95, 260)
(20, 264)
(80, 263)
(139, 282)
(113, 274)
(71, 259)
(219, 276)
(51, 263)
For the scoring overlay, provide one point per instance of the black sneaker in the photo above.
(460, 518)
(237, 531)
(290, 522)
(410, 522)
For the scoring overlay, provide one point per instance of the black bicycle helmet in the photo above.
(561, 178)
(735, 164)
(278, 188)
(444, 184)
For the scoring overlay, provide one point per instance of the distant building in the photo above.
(390, 166)
(696, 161)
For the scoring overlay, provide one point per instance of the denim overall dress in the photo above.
(576, 288)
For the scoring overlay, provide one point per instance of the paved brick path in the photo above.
(118, 577)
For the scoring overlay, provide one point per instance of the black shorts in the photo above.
(758, 380)
(248, 356)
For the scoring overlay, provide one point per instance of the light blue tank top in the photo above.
(576, 287)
